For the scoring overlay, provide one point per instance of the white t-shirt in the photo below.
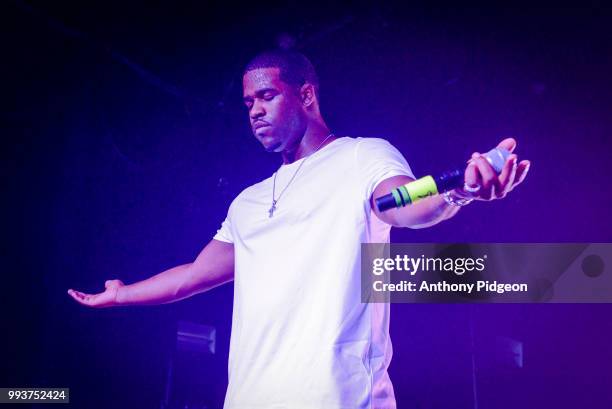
(301, 337)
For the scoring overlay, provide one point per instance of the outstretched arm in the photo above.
(434, 209)
(213, 266)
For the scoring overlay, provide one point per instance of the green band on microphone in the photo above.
(405, 195)
(397, 197)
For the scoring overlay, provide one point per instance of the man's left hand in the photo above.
(483, 183)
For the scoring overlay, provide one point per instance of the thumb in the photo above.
(112, 283)
(508, 144)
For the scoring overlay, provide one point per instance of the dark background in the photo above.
(124, 141)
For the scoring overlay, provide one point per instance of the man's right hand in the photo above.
(213, 266)
(108, 298)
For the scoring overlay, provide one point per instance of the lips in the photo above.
(258, 125)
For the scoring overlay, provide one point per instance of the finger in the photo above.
(78, 296)
(508, 144)
(83, 298)
(507, 171)
(474, 156)
(492, 191)
(471, 176)
(487, 176)
(521, 173)
(75, 294)
(510, 182)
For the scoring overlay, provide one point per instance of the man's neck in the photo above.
(310, 142)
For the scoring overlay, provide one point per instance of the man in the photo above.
(301, 337)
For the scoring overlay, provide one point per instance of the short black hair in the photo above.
(295, 68)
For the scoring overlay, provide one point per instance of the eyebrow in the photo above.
(259, 93)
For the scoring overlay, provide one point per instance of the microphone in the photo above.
(430, 185)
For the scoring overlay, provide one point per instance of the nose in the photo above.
(257, 110)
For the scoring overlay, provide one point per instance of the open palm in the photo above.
(108, 298)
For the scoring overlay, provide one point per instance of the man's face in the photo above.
(275, 109)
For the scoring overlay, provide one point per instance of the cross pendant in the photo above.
(272, 209)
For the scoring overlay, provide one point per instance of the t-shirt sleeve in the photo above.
(225, 231)
(378, 160)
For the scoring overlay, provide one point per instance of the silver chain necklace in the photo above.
(275, 200)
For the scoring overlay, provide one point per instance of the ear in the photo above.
(307, 94)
